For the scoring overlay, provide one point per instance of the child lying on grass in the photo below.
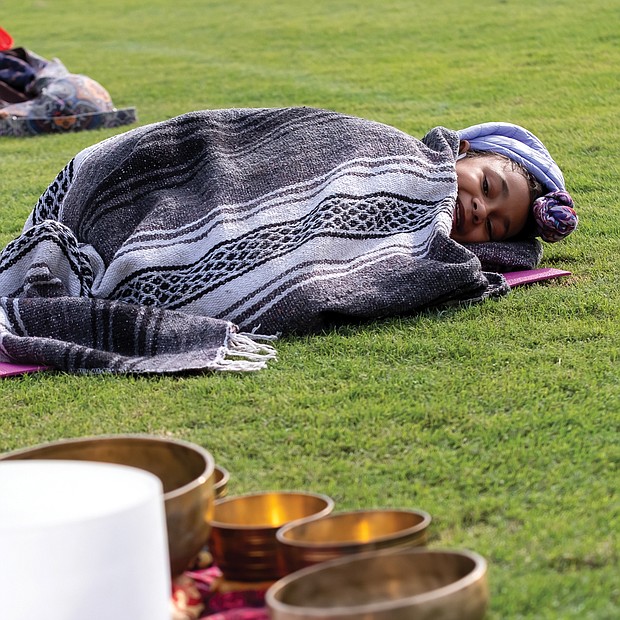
(277, 220)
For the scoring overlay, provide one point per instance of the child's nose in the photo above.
(479, 212)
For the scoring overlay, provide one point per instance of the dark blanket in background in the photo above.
(42, 96)
(277, 220)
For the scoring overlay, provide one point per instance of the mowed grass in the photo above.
(501, 420)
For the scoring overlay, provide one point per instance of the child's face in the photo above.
(493, 200)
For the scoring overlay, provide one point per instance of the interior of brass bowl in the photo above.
(222, 476)
(385, 584)
(186, 471)
(309, 542)
(270, 509)
(243, 530)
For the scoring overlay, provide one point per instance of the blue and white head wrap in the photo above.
(554, 213)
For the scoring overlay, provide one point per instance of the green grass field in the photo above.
(501, 420)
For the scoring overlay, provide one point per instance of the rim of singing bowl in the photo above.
(283, 533)
(196, 481)
(222, 477)
(230, 525)
(358, 611)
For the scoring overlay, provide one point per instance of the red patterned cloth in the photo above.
(186, 602)
(200, 595)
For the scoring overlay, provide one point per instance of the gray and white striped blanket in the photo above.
(150, 247)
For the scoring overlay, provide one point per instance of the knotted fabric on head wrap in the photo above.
(554, 213)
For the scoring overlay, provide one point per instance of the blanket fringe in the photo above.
(244, 353)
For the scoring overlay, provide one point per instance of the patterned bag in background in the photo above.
(42, 96)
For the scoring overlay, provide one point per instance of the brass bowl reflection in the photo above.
(386, 584)
(310, 542)
(186, 470)
(222, 476)
(243, 530)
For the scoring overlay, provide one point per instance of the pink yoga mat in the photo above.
(8, 370)
(514, 278)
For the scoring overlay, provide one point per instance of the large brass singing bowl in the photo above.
(186, 470)
(310, 542)
(385, 585)
(243, 530)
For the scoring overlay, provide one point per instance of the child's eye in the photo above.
(485, 186)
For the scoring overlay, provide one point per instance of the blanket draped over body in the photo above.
(169, 247)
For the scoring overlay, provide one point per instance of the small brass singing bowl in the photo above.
(305, 543)
(243, 531)
(222, 476)
(387, 584)
(186, 470)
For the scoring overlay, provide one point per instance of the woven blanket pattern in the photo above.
(276, 220)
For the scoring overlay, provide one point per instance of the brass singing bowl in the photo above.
(186, 470)
(310, 542)
(243, 530)
(385, 585)
(222, 476)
